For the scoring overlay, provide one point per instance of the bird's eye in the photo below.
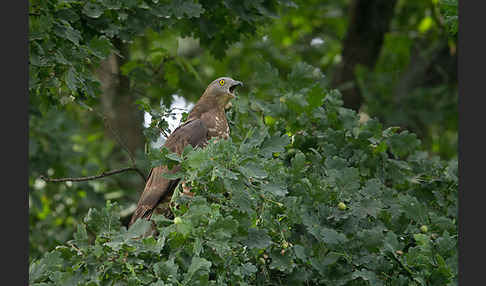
(221, 82)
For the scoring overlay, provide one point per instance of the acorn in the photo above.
(342, 206)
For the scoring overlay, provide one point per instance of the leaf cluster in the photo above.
(266, 205)
(68, 39)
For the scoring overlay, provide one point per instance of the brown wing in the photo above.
(157, 188)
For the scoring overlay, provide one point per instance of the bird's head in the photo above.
(222, 90)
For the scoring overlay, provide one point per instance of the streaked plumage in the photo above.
(206, 120)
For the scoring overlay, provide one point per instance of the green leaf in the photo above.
(185, 227)
(275, 144)
(200, 265)
(81, 237)
(369, 207)
(37, 270)
(275, 189)
(330, 236)
(173, 176)
(446, 244)
(300, 252)
(414, 209)
(158, 283)
(296, 102)
(138, 229)
(391, 243)
(101, 47)
(367, 275)
(93, 9)
(190, 9)
(67, 278)
(298, 162)
(198, 247)
(303, 74)
(252, 170)
(400, 164)
(157, 56)
(403, 144)
(171, 74)
(282, 262)
(64, 30)
(335, 162)
(258, 238)
(373, 188)
(72, 79)
(112, 4)
(423, 241)
(241, 198)
(330, 258)
(198, 159)
(448, 9)
(51, 262)
(167, 270)
(59, 57)
(372, 239)
(105, 221)
(315, 97)
(174, 157)
(126, 69)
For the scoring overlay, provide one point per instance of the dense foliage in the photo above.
(67, 42)
(304, 192)
(66, 38)
(338, 202)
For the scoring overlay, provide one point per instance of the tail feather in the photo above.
(156, 190)
(193, 132)
(142, 211)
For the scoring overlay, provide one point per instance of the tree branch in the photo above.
(106, 122)
(118, 138)
(103, 174)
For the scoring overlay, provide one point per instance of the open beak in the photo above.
(233, 87)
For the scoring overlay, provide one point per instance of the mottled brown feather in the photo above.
(157, 188)
(206, 120)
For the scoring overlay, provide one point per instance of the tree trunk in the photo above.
(369, 20)
(124, 118)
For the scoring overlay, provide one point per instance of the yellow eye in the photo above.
(221, 82)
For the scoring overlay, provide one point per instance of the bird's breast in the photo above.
(218, 127)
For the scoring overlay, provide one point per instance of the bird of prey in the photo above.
(206, 120)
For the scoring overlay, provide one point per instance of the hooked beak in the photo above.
(233, 87)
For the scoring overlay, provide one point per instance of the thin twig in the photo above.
(106, 121)
(409, 271)
(120, 141)
(163, 132)
(103, 174)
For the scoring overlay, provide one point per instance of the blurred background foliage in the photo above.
(95, 67)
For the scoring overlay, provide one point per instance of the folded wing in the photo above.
(158, 188)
